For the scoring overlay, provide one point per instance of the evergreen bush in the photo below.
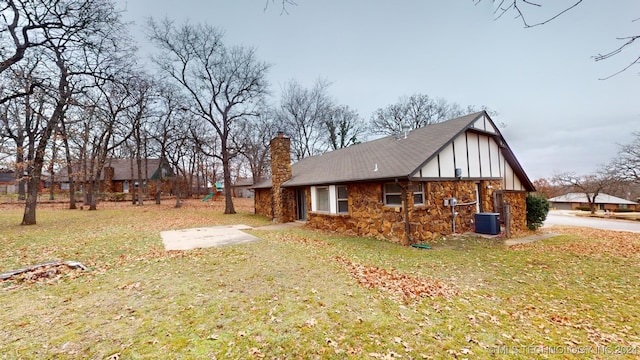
(537, 209)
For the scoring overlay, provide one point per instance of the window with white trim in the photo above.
(392, 194)
(342, 199)
(418, 194)
(322, 198)
(332, 199)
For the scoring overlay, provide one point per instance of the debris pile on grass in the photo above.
(49, 272)
(592, 242)
(400, 286)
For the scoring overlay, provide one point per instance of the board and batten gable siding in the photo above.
(477, 155)
(484, 125)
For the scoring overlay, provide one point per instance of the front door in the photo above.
(301, 205)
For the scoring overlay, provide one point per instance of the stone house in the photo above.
(242, 188)
(7, 181)
(400, 187)
(120, 175)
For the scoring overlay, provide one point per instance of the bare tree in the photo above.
(523, 9)
(107, 124)
(75, 37)
(224, 83)
(416, 111)
(545, 188)
(253, 144)
(626, 166)
(302, 115)
(344, 127)
(141, 97)
(22, 27)
(169, 131)
(19, 118)
(589, 185)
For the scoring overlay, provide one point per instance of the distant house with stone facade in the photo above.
(400, 187)
(242, 188)
(7, 181)
(121, 176)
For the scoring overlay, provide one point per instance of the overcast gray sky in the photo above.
(542, 81)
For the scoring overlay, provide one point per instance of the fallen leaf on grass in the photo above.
(399, 285)
(310, 323)
(592, 242)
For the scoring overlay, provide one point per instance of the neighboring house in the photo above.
(242, 188)
(7, 181)
(121, 176)
(571, 201)
(383, 187)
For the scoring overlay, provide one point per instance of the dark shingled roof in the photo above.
(387, 158)
(121, 169)
(7, 176)
(243, 182)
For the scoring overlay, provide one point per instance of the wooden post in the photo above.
(507, 220)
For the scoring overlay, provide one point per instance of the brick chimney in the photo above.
(109, 173)
(280, 172)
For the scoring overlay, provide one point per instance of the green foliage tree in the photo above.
(537, 209)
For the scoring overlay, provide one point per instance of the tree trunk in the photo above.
(228, 199)
(140, 182)
(29, 217)
(20, 166)
(176, 190)
(21, 186)
(72, 193)
(92, 195)
(132, 187)
(70, 177)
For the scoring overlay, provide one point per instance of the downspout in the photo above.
(405, 205)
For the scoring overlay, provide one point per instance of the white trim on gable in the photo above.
(447, 169)
(511, 181)
(460, 154)
(473, 154)
(483, 124)
(477, 155)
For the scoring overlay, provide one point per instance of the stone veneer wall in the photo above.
(288, 205)
(263, 202)
(518, 206)
(281, 172)
(370, 218)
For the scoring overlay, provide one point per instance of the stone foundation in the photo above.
(263, 202)
(369, 217)
(518, 206)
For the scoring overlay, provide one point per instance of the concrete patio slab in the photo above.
(187, 239)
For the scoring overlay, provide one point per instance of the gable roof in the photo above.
(7, 176)
(121, 169)
(391, 157)
(582, 198)
(240, 182)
